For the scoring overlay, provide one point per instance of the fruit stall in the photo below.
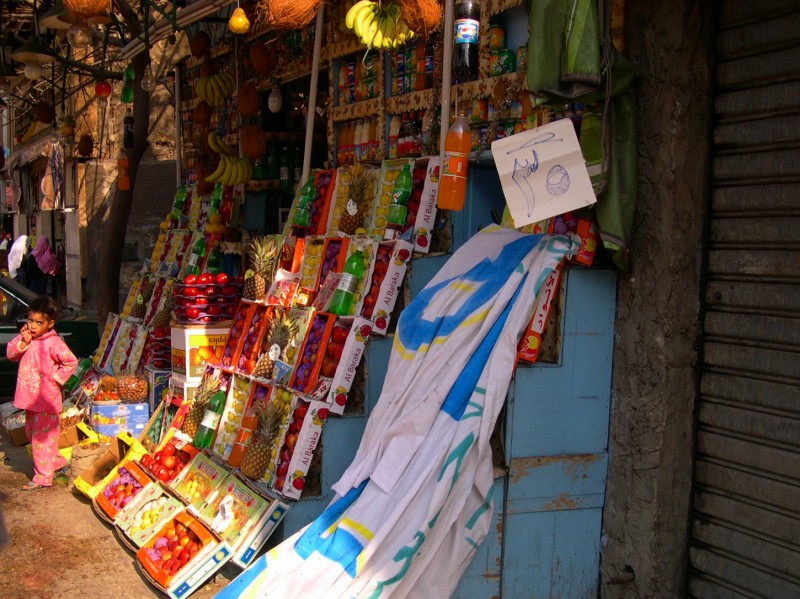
(248, 327)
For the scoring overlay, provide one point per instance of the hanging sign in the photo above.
(543, 172)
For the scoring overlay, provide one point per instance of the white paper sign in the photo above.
(542, 172)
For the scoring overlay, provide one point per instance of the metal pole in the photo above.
(447, 75)
(178, 137)
(312, 95)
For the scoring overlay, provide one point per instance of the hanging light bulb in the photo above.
(275, 100)
(79, 35)
(239, 23)
(33, 70)
(102, 90)
(148, 81)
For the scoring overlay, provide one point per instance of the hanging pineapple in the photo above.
(262, 253)
(258, 455)
(209, 385)
(280, 331)
(358, 201)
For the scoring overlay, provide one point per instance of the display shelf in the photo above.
(348, 45)
(495, 7)
(465, 92)
(359, 110)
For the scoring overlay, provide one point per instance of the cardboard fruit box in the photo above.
(390, 168)
(236, 334)
(343, 353)
(195, 346)
(254, 334)
(385, 278)
(198, 479)
(145, 514)
(243, 517)
(311, 353)
(120, 490)
(123, 447)
(110, 418)
(299, 442)
(426, 211)
(235, 406)
(198, 558)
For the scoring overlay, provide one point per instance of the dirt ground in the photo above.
(59, 548)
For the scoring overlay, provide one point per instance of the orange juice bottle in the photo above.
(453, 182)
(243, 438)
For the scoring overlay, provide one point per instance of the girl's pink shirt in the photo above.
(44, 366)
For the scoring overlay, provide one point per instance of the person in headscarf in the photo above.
(42, 267)
(16, 254)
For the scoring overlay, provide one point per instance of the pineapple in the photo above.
(262, 253)
(163, 317)
(209, 385)
(258, 456)
(358, 202)
(280, 331)
(139, 307)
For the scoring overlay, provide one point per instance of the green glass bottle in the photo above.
(128, 75)
(75, 378)
(397, 209)
(216, 199)
(196, 256)
(302, 213)
(177, 204)
(214, 260)
(204, 436)
(342, 300)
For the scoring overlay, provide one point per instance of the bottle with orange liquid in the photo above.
(453, 182)
(243, 438)
(123, 180)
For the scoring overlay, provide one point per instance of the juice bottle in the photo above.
(453, 183)
(243, 438)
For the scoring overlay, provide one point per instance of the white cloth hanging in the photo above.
(416, 502)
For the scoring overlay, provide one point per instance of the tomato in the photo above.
(229, 290)
(192, 313)
(210, 290)
(190, 291)
(205, 278)
(221, 278)
(200, 300)
(158, 457)
(168, 449)
(214, 310)
(162, 474)
(190, 280)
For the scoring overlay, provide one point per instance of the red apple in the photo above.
(190, 280)
(221, 278)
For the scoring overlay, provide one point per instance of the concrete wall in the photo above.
(646, 514)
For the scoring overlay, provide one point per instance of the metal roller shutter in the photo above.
(745, 535)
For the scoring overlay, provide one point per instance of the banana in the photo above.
(219, 93)
(200, 88)
(230, 170)
(363, 20)
(349, 18)
(369, 32)
(230, 81)
(212, 178)
(213, 142)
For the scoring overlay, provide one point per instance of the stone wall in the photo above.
(646, 515)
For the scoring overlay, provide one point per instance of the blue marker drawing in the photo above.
(557, 182)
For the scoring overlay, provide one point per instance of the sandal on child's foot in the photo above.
(63, 471)
(31, 486)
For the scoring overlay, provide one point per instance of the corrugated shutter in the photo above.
(745, 537)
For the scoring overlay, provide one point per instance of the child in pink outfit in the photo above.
(45, 364)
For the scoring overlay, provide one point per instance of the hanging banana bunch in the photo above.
(378, 26)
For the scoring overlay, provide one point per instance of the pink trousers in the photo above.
(43, 431)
